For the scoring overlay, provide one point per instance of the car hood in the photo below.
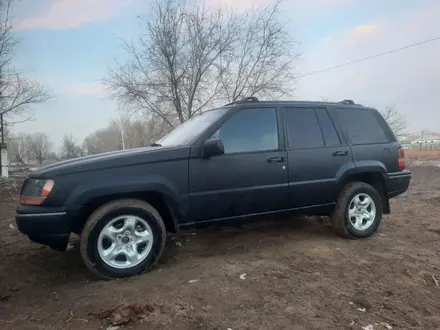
(112, 159)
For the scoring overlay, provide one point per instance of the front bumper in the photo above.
(398, 182)
(43, 225)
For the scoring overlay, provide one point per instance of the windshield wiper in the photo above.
(155, 145)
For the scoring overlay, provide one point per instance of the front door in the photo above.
(250, 178)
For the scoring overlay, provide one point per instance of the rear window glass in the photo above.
(361, 126)
(303, 128)
(331, 137)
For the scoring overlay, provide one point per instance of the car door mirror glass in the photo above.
(213, 147)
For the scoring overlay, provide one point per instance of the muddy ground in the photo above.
(291, 273)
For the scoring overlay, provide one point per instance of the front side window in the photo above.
(250, 130)
(192, 128)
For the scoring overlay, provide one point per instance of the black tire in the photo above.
(340, 217)
(102, 216)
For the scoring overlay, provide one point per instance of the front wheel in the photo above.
(123, 238)
(358, 211)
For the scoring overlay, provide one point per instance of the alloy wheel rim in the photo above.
(362, 211)
(125, 241)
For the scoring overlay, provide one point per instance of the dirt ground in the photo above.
(290, 273)
(415, 153)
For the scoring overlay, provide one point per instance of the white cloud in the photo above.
(242, 5)
(86, 89)
(362, 33)
(410, 79)
(318, 3)
(65, 14)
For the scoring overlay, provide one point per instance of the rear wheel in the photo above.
(123, 238)
(358, 211)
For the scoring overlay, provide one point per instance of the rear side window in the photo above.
(303, 128)
(362, 126)
(331, 137)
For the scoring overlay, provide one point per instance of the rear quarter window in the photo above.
(361, 126)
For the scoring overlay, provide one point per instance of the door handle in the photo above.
(276, 160)
(340, 153)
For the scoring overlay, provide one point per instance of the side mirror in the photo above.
(213, 147)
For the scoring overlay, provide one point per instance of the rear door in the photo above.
(316, 153)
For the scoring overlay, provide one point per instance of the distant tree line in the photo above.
(38, 148)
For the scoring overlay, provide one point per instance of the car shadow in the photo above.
(264, 233)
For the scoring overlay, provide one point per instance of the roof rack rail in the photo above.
(245, 100)
(348, 102)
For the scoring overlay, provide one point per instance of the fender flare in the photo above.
(360, 167)
(119, 186)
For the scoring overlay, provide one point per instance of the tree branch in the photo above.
(190, 58)
(396, 121)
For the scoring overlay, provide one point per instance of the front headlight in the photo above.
(35, 191)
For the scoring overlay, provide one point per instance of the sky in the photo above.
(70, 45)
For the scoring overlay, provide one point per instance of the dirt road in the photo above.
(287, 274)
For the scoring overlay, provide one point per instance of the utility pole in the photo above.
(2, 125)
(121, 125)
(3, 146)
(1, 107)
(122, 132)
(5, 29)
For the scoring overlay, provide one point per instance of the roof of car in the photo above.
(254, 100)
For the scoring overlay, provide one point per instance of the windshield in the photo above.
(192, 128)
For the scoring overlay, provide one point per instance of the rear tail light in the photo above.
(402, 163)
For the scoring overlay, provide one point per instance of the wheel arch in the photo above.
(164, 204)
(373, 176)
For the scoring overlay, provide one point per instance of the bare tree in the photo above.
(40, 146)
(7, 42)
(142, 132)
(138, 133)
(17, 93)
(396, 120)
(19, 149)
(103, 140)
(191, 58)
(263, 58)
(69, 148)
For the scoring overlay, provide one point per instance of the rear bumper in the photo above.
(47, 226)
(397, 183)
